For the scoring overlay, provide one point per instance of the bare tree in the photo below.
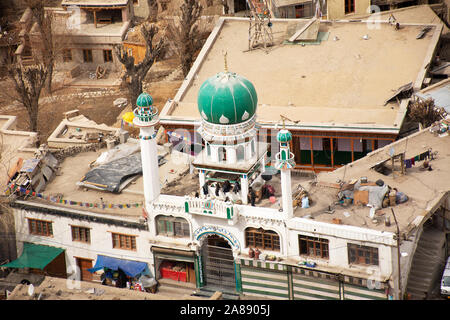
(186, 37)
(135, 73)
(424, 112)
(152, 10)
(28, 83)
(48, 52)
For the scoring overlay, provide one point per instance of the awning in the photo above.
(35, 256)
(131, 268)
(173, 254)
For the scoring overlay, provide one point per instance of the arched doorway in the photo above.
(218, 264)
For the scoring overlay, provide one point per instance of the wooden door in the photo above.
(190, 272)
(84, 264)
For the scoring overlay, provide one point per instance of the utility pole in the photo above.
(398, 257)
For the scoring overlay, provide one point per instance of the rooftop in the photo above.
(425, 189)
(334, 86)
(95, 3)
(78, 161)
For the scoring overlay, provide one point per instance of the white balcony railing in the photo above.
(211, 208)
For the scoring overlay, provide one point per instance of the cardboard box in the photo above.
(361, 197)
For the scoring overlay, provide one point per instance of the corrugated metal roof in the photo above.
(440, 95)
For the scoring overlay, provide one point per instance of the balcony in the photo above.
(212, 208)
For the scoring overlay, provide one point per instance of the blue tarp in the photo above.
(131, 268)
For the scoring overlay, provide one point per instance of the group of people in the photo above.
(224, 187)
(267, 190)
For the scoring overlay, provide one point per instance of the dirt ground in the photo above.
(94, 103)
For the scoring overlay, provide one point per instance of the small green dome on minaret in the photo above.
(284, 136)
(144, 100)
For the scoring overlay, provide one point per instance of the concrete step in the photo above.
(208, 292)
(176, 284)
(414, 278)
(425, 263)
(417, 287)
(423, 270)
(172, 291)
(429, 246)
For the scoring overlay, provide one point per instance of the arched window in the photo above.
(253, 147)
(208, 149)
(172, 227)
(262, 239)
(240, 153)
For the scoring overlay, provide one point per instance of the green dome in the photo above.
(284, 136)
(144, 100)
(227, 98)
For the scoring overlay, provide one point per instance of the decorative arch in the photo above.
(203, 232)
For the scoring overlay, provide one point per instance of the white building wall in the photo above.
(339, 236)
(269, 219)
(101, 239)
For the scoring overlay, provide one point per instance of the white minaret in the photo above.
(284, 161)
(146, 118)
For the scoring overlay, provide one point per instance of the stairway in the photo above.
(209, 291)
(426, 263)
(175, 288)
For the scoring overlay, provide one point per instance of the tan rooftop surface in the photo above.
(95, 2)
(344, 81)
(60, 289)
(73, 170)
(414, 14)
(423, 188)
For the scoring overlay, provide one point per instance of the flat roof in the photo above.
(94, 3)
(425, 189)
(343, 82)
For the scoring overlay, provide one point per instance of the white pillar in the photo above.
(231, 155)
(214, 153)
(244, 189)
(150, 168)
(201, 179)
(286, 191)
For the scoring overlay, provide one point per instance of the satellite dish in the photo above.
(391, 151)
(31, 290)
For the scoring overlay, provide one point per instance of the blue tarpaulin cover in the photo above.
(131, 268)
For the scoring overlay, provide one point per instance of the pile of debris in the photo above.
(33, 174)
(376, 195)
(440, 128)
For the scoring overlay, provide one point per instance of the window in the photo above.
(87, 55)
(172, 227)
(262, 239)
(81, 234)
(40, 227)
(107, 55)
(123, 241)
(163, 6)
(349, 6)
(362, 255)
(136, 2)
(300, 11)
(314, 247)
(67, 55)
